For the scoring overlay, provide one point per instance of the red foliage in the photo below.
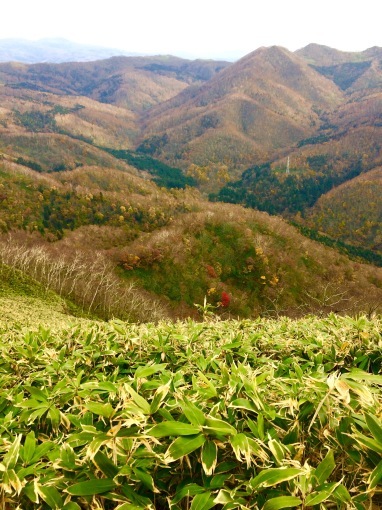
(211, 272)
(225, 299)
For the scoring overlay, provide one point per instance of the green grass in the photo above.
(25, 301)
(218, 414)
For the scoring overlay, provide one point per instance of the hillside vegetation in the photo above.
(362, 196)
(173, 246)
(80, 180)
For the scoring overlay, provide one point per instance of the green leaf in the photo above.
(100, 386)
(173, 428)
(159, 396)
(375, 476)
(10, 458)
(11, 482)
(241, 448)
(146, 479)
(91, 487)
(42, 450)
(322, 494)
(148, 370)
(273, 476)
(55, 416)
(51, 496)
(138, 400)
(71, 506)
(209, 457)
(130, 506)
(183, 446)
(277, 450)
(68, 457)
(218, 427)
(375, 427)
(202, 501)
(27, 451)
(204, 386)
(360, 375)
(341, 494)
(325, 468)
(242, 403)
(193, 414)
(37, 393)
(282, 502)
(105, 410)
(105, 465)
(188, 490)
(369, 442)
(218, 481)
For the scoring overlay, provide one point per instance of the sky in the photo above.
(197, 28)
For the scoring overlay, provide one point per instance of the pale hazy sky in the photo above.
(197, 28)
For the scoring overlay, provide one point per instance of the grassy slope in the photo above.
(23, 301)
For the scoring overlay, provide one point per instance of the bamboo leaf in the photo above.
(193, 414)
(202, 501)
(369, 442)
(105, 465)
(241, 448)
(148, 370)
(10, 458)
(91, 487)
(218, 427)
(105, 410)
(51, 496)
(27, 451)
(100, 386)
(209, 457)
(159, 396)
(342, 494)
(68, 457)
(71, 506)
(242, 403)
(273, 476)
(138, 400)
(282, 502)
(188, 490)
(325, 468)
(277, 450)
(375, 476)
(183, 446)
(37, 393)
(173, 428)
(375, 427)
(321, 495)
(146, 479)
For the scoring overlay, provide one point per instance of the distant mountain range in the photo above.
(283, 128)
(55, 50)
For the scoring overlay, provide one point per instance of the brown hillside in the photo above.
(351, 71)
(77, 116)
(320, 55)
(265, 101)
(352, 212)
(135, 83)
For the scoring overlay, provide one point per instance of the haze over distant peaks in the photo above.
(54, 50)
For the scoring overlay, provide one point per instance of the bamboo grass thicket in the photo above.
(261, 414)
